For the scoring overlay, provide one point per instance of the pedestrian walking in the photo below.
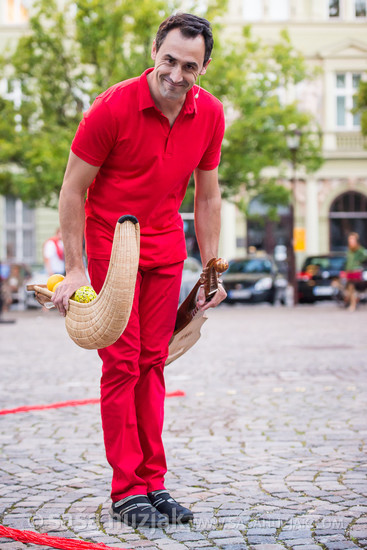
(53, 254)
(133, 153)
(356, 256)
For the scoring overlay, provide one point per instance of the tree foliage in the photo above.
(251, 77)
(71, 54)
(66, 59)
(361, 105)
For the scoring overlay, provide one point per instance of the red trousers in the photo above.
(132, 383)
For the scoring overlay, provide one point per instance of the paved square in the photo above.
(268, 447)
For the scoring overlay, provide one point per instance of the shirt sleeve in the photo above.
(211, 157)
(95, 136)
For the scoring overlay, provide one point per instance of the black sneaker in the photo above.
(166, 505)
(137, 511)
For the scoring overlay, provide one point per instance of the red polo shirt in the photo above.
(145, 165)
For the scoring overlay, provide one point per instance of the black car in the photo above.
(254, 279)
(316, 280)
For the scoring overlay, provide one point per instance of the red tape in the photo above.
(178, 393)
(53, 542)
(28, 408)
(50, 406)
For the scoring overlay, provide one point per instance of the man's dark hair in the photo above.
(190, 26)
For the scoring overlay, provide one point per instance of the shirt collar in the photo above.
(146, 101)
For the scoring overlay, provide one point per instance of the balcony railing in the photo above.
(350, 141)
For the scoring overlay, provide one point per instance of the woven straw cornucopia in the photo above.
(100, 323)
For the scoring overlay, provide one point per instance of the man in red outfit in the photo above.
(134, 152)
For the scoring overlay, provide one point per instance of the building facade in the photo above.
(23, 230)
(332, 35)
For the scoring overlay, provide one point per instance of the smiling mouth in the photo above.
(173, 84)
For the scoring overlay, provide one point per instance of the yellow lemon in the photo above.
(51, 281)
(84, 294)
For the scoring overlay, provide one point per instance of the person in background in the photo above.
(356, 256)
(53, 254)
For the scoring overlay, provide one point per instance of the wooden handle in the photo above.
(220, 265)
(42, 294)
(41, 289)
(209, 280)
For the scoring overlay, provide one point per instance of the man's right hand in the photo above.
(71, 283)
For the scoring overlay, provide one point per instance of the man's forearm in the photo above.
(72, 218)
(207, 227)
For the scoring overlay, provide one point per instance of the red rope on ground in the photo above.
(77, 403)
(27, 408)
(53, 542)
(178, 393)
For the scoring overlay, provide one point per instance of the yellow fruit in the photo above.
(84, 294)
(51, 281)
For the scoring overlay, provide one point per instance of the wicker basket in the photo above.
(100, 323)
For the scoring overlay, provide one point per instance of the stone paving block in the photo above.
(258, 539)
(227, 541)
(300, 542)
(268, 547)
(296, 534)
(165, 544)
(267, 531)
(187, 536)
(340, 545)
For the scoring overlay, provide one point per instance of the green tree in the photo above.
(248, 75)
(66, 59)
(361, 105)
(70, 55)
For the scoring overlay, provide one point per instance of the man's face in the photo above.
(352, 242)
(178, 63)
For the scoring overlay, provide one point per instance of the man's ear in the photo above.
(153, 52)
(203, 70)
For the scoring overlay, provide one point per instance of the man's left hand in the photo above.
(218, 297)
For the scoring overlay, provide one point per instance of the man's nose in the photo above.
(176, 74)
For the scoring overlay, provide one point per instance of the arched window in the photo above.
(348, 212)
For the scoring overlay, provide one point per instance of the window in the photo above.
(360, 8)
(19, 231)
(252, 11)
(257, 10)
(346, 88)
(15, 12)
(348, 213)
(334, 8)
(278, 10)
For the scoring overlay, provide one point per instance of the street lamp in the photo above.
(293, 138)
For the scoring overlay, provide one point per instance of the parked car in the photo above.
(318, 276)
(255, 278)
(39, 277)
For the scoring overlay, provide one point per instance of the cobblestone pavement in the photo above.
(268, 447)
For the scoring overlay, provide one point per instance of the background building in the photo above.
(332, 35)
(23, 230)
